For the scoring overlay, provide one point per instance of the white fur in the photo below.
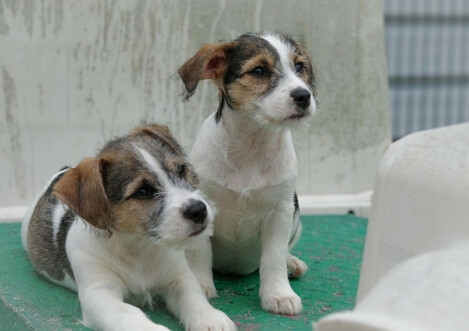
(248, 168)
(107, 271)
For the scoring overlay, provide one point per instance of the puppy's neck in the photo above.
(130, 244)
(247, 142)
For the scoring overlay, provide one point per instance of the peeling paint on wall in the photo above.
(80, 72)
(13, 132)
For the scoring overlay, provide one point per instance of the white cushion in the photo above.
(429, 292)
(420, 201)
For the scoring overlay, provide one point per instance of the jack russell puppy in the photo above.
(114, 228)
(246, 162)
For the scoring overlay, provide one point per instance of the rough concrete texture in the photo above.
(332, 247)
(74, 73)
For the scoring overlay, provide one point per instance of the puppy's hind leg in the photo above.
(296, 267)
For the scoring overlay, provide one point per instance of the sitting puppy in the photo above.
(245, 158)
(114, 227)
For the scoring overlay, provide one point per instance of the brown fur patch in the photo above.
(178, 166)
(174, 164)
(248, 88)
(133, 186)
(264, 60)
(81, 188)
(128, 214)
(210, 62)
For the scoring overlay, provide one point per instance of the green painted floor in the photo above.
(332, 247)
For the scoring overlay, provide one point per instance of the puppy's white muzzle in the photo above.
(188, 217)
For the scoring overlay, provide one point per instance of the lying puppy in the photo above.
(246, 161)
(114, 227)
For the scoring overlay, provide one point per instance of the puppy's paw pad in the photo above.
(288, 305)
(214, 321)
(296, 267)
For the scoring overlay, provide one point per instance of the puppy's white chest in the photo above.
(250, 176)
(238, 225)
(243, 164)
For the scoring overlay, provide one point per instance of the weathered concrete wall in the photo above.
(74, 73)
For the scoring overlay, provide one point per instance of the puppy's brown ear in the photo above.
(159, 128)
(210, 62)
(82, 189)
(160, 132)
(162, 129)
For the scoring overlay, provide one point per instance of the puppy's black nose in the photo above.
(196, 211)
(301, 96)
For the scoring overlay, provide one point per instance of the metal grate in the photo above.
(427, 45)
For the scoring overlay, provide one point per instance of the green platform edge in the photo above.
(331, 245)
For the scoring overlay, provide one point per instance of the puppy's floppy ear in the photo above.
(160, 132)
(162, 129)
(82, 189)
(159, 128)
(210, 62)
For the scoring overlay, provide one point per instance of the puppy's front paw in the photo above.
(296, 267)
(286, 304)
(214, 320)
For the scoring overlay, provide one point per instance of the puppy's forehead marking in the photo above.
(286, 51)
(283, 49)
(153, 165)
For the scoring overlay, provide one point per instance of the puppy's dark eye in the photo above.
(144, 192)
(258, 72)
(182, 170)
(299, 67)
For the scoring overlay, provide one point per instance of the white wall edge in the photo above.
(12, 214)
(359, 204)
